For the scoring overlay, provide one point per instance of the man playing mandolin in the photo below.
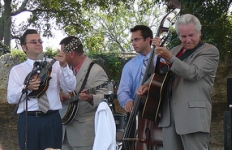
(78, 133)
(39, 125)
(187, 106)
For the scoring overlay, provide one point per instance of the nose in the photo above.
(38, 43)
(133, 43)
(188, 39)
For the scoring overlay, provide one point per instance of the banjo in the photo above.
(70, 105)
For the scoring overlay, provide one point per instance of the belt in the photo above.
(40, 113)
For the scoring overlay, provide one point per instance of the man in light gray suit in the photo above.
(186, 112)
(80, 134)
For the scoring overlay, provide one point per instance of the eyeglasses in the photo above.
(136, 40)
(35, 41)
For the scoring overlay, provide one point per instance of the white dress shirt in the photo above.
(60, 78)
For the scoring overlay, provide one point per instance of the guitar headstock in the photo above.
(74, 43)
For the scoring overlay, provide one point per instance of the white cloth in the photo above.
(105, 128)
(61, 77)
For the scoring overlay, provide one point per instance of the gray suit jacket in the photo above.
(190, 103)
(80, 132)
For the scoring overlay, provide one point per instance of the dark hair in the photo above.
(23, 38)
(78, 49)
(145, 30)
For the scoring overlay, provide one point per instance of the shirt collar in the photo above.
(30, 62)
(77, 67)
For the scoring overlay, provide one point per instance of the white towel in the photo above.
(105, 128)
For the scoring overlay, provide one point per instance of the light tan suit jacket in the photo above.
(80, 132)
(190, 103)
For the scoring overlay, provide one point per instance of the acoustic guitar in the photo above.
(160, 79)
(157, 89)
(70, 106)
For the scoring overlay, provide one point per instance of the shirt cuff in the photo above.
(65, 69)
(171, 60)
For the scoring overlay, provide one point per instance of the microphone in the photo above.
(37, 67)
(40, 56)
(39, 64)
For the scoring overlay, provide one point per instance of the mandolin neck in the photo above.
(46, 68)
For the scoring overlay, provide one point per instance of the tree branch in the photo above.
(21, 8)
(15, 37)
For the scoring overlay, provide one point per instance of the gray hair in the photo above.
(187, 19)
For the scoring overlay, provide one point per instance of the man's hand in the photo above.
(63, 97)
(34, 83)
(86, 97)
(129, 106)
(142, 90)
(162, 52)
(156, 41)
(61, 57)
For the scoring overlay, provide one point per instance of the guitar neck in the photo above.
(92, 90)
(89, 91)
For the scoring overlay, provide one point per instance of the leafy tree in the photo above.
(215, 17)
(111, 26)
(65, 12)
(104, 24)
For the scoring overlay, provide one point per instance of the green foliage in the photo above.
(112, 25)
(50, 53)
(104, 24)
(216, 23)
(215, 18)
(19, 54)
(111, 63)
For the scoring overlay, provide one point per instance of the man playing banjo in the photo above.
(78, 131)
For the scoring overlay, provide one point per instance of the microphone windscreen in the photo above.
(40, 56)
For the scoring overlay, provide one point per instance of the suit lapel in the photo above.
(177, 50)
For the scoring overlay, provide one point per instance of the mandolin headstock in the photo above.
(72, 45)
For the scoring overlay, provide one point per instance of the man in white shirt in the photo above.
(38, 129)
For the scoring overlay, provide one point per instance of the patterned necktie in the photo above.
(74, 71)
(145, 60)
(43, 103)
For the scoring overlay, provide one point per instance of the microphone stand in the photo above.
(109, 97)
(25, 91)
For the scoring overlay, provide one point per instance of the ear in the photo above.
(148, 40)
(199, 33)
(24, 48)
(72, 54)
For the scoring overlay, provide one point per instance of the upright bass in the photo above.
(148, 135)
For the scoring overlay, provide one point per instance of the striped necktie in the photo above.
(145, 60)
(43, 103)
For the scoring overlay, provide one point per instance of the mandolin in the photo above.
(43, 70)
